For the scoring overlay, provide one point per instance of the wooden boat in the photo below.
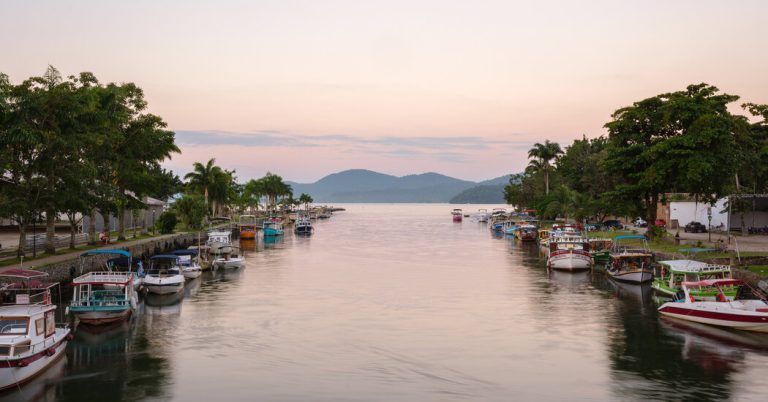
(123, 263)
(527, 232)
(745, 315)
(272, 228)
(600, 250)
(164, 275)
(189, 265)
(569, 253)
(94, 302)
(30, 340)
(630, 261)
(457, 214)
(673, 272)
(247, 226)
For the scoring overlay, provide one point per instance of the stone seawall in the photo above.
(62, 271)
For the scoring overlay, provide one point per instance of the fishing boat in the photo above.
(527, 232)
(600, 250)
(231, 260)
(247, 226)
(457, 214)
(273, 228)
(303, 225)
(124, 262)
(219, 241)
(30, 340)
(673, 272)
(569, 253)
(94, 302)
(189, 265)
(482, 215)
(746, 315)
(164, 275)
(631, 260)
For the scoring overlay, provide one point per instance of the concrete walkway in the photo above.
(74, 254)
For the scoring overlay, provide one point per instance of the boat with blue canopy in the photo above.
(164, 275)
(189, 265)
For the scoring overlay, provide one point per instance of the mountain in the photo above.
(360, 185)
(486, 192)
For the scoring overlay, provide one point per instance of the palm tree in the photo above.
(274, 187)
(305, 199)
(543, 154)
(203, 178)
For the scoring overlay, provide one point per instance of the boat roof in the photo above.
(694, 266)
(21, 310)
(97, 252)
(123, 261)
(164, 257)
(715, 282)
(22, 273)
(187, 251)
(102, 278)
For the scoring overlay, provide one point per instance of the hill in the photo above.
(360, 185)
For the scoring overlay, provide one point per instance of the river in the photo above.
(398, 303)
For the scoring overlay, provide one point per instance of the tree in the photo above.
(273, 187)
(212, 182)
(305, 199)
(192, 210)
(544, 154)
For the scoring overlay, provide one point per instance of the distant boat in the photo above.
(303, 225)
(231, 260)
(247, 226)
(190, 268)
(457, 214)
(273, 228)
(630, 262)
(482, 215)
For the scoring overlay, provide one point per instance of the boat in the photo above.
(273, 228)
(95, 302)
(457, 214)
(30, 340)
(219, 241)
(482, 215)
(745, 315)
(673, 272)
(247, 226)
(231, 260)
(600, 250)
(527, 232)
(189, 265)
(303, 225)
(123, 263)
(569, 253)
(164, 275)
(630, 261)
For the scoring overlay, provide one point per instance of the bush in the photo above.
(166, 222)
(192, 210)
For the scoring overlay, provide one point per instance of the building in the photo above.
(744, 212)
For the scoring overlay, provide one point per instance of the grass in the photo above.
(761, 270)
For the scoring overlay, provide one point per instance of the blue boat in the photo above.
(103, 297)
(272, 228)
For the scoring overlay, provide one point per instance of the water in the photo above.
(398, 303)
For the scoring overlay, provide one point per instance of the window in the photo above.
(13, 325)
(39, 326)
(50, 323)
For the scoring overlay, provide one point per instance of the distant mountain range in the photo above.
(360, 185)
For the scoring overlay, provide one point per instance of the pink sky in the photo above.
(347, 84)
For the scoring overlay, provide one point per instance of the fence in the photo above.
(38, 241)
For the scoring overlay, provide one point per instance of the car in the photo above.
(660, 223)
(640, 222)
(612, 224)
(695, 227)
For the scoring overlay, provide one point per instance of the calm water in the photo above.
(398, 303)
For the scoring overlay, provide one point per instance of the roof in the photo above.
(715, 282)
(21, 310)
(97, 252)
(164, 257)
(22, 273)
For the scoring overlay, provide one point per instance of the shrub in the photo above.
(166, 222)
(192, 210)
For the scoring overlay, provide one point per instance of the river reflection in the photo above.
(398, 303)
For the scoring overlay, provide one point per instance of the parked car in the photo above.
(695, 227)
(612, 224)
(640, 222)
(660, 223)
(592, 227)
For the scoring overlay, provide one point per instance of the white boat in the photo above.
(164, 275)
(30, 340)
(219, 241)
(189, 265)
(232, 260)
(303, 225)
(630, 262)
(482, 215)
(746, 315)
(569, 253)
(103, 297)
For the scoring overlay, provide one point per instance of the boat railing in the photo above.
(21, 296)
(102, 298)
(112, 277)
(22, 348)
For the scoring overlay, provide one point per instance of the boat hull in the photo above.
(192, 273)
(14, 372)
(272, 232)
(165, 286)
(631, 276)
(230, 264)
(101, 317)
(570, 261)
(746, 322)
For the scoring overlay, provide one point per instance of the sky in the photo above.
(464, 88)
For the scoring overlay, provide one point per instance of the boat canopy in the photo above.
(22, 273)
(693, 250)
(683, 265)
(715, 282)
(97, 252)
(164, 257)
(186, 251)
(123, 261)
(624, 237)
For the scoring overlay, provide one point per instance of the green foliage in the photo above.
(213, 183)
(192, 210)
(166, 222)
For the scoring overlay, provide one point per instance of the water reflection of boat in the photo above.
(248, 244)
(97, 335)
(570, 279)
(40, 389)
(192, 287)
(640, 292)
(163, 304)
(715, 337)
(272, 240)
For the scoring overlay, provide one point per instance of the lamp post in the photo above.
(153, 221)
(709, 229)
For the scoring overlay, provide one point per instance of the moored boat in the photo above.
(189, 265)
(631, 260)
(231, 260)
(600, 250)
(673, 272)
(30, 340)
(303, 225)
(164, 275)
(746, 315)
(482, 215)
(95, 302)
(527, 232)
(569, 253)
(123, 263)
(247, 225)
(457, 214)
(219, 241)
(272, 228)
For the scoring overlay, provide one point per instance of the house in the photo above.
(140, 219)
(680, 209)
